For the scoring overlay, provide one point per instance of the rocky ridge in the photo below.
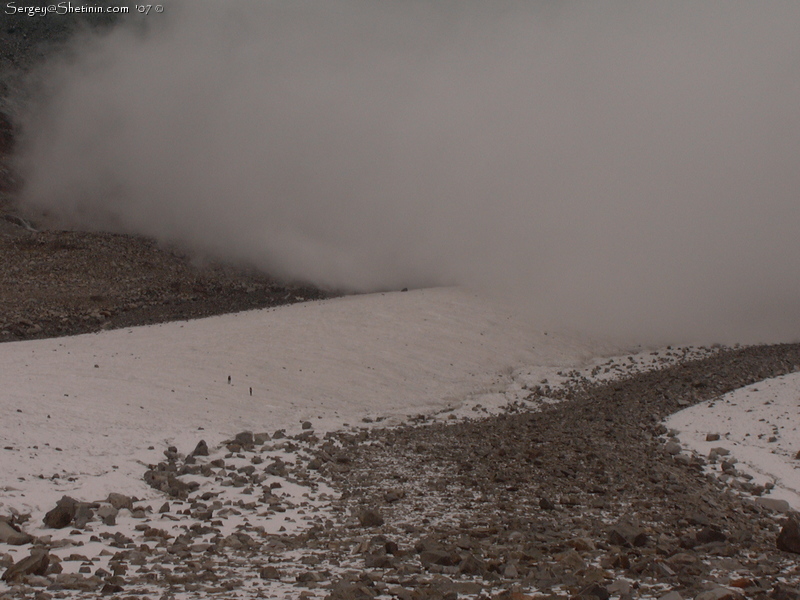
(68, 282)
(57, 282)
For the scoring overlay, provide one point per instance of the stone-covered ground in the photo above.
(58, 283)
(585, 498)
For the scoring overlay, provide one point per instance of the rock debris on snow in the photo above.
(445, 509)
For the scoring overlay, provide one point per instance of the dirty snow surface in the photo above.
(87, 416)
(85, 409)
(94, 415)
(758, 425)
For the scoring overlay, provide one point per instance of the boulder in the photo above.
(594, 592)
(107, 514)
(201, 449)
(61, 516)
(471, 565)
(546, 504)
(119, 501)
(710, 535)
(10, 534)
(244, 438)
(393, 495)
(782, 591)
(270, 572)
(627, 535)
(720, 593)
(370, 518)
(789, 537)
(439, 557)
(35, 564)
(776, 504)
(83, 514)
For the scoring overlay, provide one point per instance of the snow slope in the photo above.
(83, 415)
(759, 425)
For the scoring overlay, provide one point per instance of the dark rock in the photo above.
(169, 484)
(709, 535)
(789, 537)
(781, 591)
(370, 518)
(627, 536)
(394, 495)
(439, 557)
(270, 572)
(719, 593)
(378, 560)
(347, 590)
(594, 592)
(61, 516)
(510, 571)
(391, 547)
(261, 438)
(35, 564)
(471, 566)
(111, 588)
(546, 504)
(244, 438)
(201, 449)
(276, 468)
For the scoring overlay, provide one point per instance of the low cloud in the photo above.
(624, 168)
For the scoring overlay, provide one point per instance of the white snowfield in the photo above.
(84, 415)
(759, 425)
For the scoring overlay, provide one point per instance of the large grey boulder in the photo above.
(35, 564)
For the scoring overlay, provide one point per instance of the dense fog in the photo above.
(617, 167)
